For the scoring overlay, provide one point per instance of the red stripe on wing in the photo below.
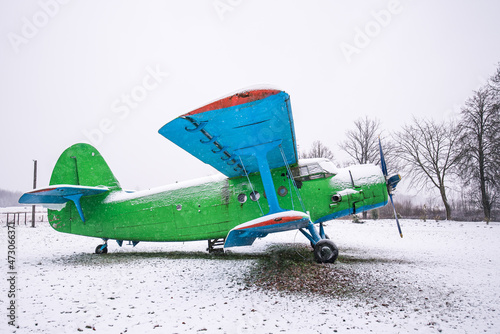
(41, 190)
(274, 221)
(236, 99)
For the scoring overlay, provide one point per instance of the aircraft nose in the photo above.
(393, 181)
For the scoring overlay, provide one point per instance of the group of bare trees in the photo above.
(480, 131)
(318, 150)
(9, 198)
(430, 155)
(438, 154)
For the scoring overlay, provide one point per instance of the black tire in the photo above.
(325, 251)
(326, 237)
(100, 250)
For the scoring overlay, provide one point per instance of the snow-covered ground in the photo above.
(442, 276)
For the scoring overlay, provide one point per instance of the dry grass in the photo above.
(292, 269)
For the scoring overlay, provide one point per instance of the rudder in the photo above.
(82, 164)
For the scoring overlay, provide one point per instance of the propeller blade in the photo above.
(396, 215)
(382, 159)
(391, 183)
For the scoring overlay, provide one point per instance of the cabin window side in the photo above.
(312, 171)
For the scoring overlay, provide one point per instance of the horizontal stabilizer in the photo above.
(60, 194)
(246, 233)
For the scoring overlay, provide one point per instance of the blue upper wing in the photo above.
(244, 120)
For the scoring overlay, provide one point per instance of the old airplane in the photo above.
(263, 187)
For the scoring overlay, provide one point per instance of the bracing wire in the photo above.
(295, 244)
(291, 177)
(250, 182)
(291, 194)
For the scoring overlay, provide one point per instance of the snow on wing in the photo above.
(60, 194)
(246, 233)
(244, 120)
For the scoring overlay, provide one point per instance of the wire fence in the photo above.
(22, 215)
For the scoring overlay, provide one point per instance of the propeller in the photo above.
(391, 183)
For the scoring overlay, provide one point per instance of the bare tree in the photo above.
(318, 150)
(362, 143)
(430, 153)
(494, 84)
(481, 139)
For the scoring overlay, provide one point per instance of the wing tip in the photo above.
(235, 99)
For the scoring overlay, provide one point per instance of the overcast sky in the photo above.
(69, 69)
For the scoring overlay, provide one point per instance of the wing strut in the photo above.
(260, 153)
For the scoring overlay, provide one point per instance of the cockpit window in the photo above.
(314, 169)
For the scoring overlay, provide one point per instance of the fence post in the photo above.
(34, 187)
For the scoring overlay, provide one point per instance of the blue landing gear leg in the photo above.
(102, 249)
(325, 251)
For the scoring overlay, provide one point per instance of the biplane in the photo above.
(263, 187)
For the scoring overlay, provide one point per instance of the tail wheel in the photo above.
(101, 249)
(325, 251)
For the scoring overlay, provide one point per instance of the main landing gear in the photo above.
(325, 251)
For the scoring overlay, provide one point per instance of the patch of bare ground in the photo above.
(291, 268)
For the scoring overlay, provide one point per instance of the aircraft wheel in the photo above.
(325, 251)
(326, 237)
(100, 250)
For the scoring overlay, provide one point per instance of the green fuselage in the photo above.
(209, 208)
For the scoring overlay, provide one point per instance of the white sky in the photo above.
(63, 77)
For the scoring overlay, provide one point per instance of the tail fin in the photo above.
(82, 164)
(80, 172)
